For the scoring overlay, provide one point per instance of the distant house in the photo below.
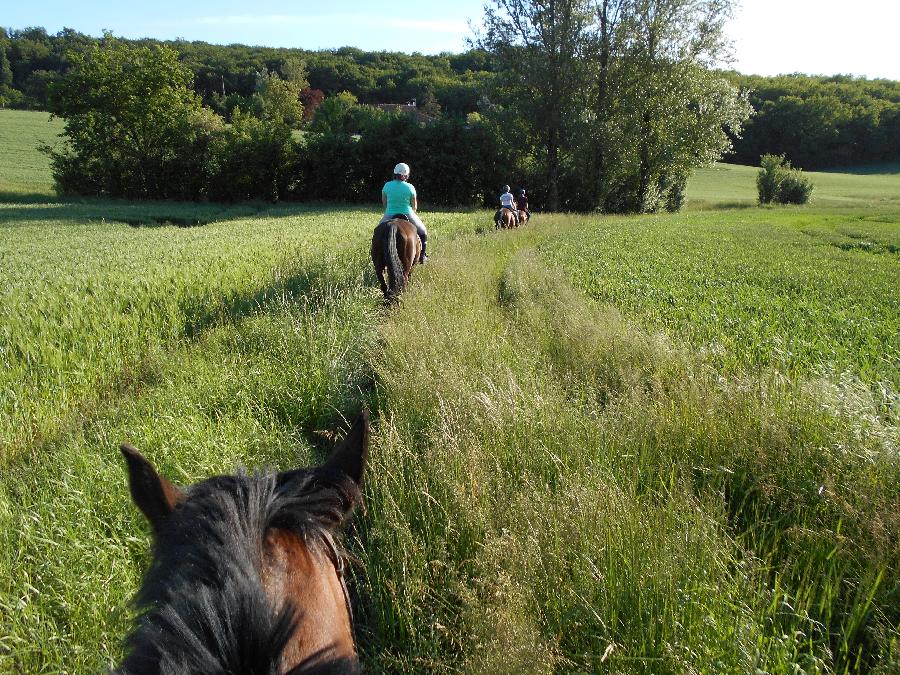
(409, 108)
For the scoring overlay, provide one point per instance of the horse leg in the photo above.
(379, 272)
(379, 263)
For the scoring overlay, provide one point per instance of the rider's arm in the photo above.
(384, 200)
(414, 202)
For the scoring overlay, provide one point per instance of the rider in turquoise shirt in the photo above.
(399, 196)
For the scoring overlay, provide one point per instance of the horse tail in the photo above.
(395, 269)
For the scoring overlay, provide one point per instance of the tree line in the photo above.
(815, 121)
(594, 105)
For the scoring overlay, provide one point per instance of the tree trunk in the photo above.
(644, 184)
(595, 177)
(553, 168)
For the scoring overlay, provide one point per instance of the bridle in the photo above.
(340, 566)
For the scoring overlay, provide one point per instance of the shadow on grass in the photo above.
(20, 208)
(9, 197)
(887, 168)
(707, 205)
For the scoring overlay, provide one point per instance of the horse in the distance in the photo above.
(396, 247)
(524, 217)
(247, 574)
(504, 219)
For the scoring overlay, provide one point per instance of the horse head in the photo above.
(247, 573)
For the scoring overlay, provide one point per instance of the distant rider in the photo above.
(507, 201)
(522, 202)
(399, 197)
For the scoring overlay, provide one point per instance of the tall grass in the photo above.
(85, 303)
(557, 489)
(256, 392)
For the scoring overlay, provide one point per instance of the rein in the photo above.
(337, 561)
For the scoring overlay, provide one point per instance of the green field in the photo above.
(23, 170)
(651, 444)
(730, 185)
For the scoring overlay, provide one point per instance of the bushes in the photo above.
(134, 126)
(252, 159)
(778, 182)
(136, 129)
(452, 163)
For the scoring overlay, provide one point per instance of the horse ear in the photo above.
(350, 456)
(153, 494)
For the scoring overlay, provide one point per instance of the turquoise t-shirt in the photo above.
(399, 197)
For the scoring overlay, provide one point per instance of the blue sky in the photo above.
(770, 36)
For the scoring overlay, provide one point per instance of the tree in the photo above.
(619, 93)
(334, 114)
(131, 122)
(311, 100)
(6, 75)
(278, 100)
(540, 46)
(294, 70)
(429, 104)
(682, 107)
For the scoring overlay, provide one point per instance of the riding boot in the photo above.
(423, 258)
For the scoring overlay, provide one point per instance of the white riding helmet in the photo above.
(402, 169)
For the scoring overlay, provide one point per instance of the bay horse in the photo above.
(524, 217)
(247, 573)
(504, 219)
(397, 247)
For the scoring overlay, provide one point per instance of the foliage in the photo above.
(617, 100)
(133, 125)
(447, 158)
(311, 100)
(815, 121)
(134, 128)
(277, 101)
(253, 160)
(541, 48)
(820, 121)
(333, 116)
(7, 96)
(778, 182)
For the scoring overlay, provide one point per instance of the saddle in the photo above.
(401, 216)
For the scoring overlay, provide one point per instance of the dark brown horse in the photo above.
(504, 219)
(247, 574)
(397, 247)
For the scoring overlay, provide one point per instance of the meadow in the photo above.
(658, 444)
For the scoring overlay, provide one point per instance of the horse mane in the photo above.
(204, 609)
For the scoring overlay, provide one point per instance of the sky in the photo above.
(769, 36)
